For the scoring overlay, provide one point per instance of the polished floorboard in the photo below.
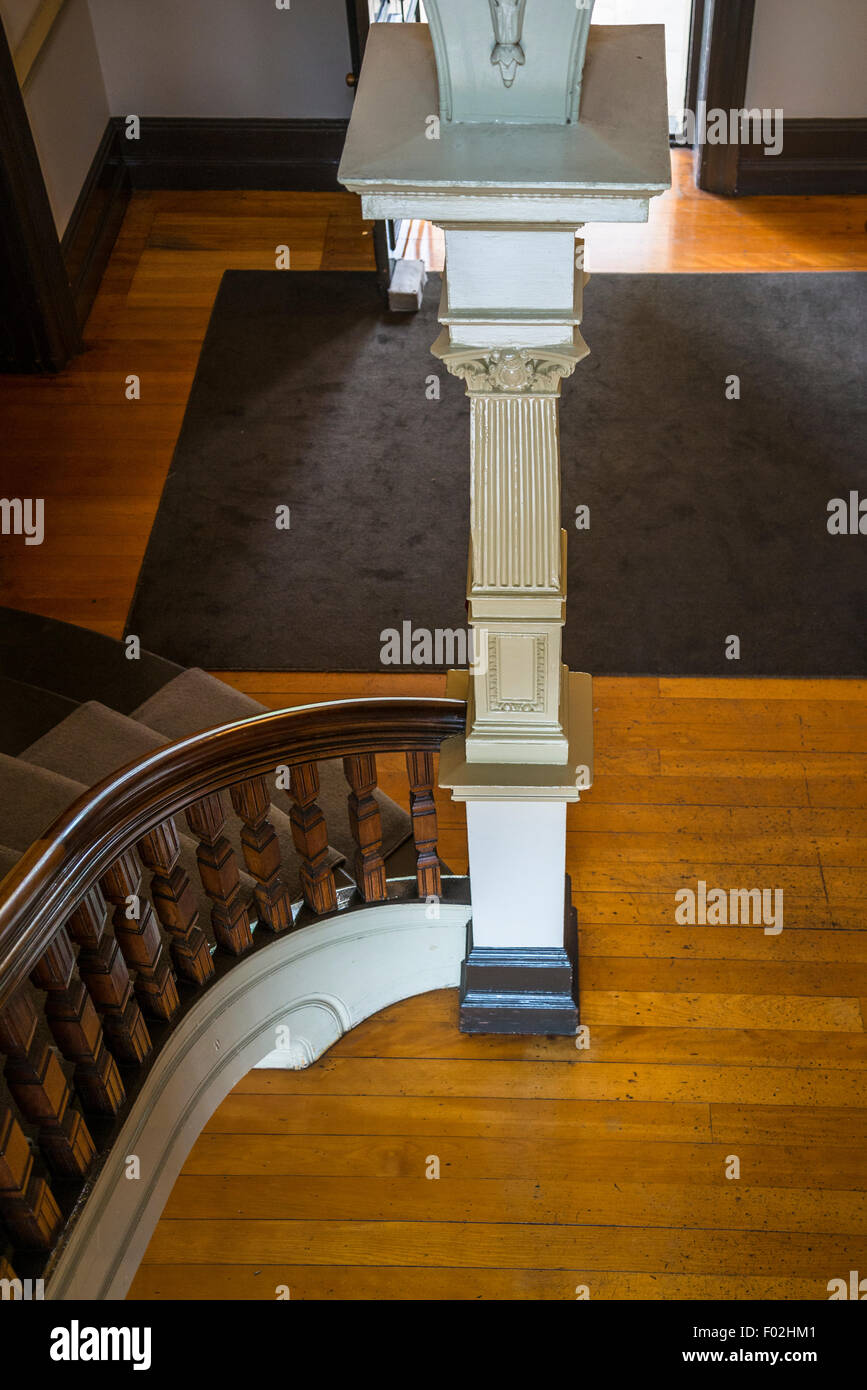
(560, 1169)
(606, 1168)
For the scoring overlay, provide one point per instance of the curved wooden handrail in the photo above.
(44, 887)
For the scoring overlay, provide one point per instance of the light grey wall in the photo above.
(65, 99)
(231, 58)
(809, 57)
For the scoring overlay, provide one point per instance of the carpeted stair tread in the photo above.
(27, 712)
(196, 700)
(31, 797)
(94, 741)
(77, 663)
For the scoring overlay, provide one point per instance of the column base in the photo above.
(531, 990)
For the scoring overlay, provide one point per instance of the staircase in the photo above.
(132, 886)
(73, 710)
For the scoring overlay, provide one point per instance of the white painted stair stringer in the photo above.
(317, 983)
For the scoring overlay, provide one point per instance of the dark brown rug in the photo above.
(708, 516)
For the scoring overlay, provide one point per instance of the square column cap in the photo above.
(406, 162)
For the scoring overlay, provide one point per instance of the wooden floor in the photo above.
(603, 1168)
(559, 1168)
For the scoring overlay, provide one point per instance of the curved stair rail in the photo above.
(83, 951)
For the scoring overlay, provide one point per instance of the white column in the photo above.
(490, 125)
(511, 308)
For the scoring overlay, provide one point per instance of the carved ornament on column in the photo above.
(513, 371)
(546, 39)
(508, 55)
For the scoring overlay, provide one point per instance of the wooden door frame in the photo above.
(693, 65)
(720, 80)
(358, 20)
(42, 330)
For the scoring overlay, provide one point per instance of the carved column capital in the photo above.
(511, 371)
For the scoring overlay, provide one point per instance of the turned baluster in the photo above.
(138, 935)
(420, 769)
(261, 847)
(310, 834)
(102, 967)
(27, 1205)
(74, 1022)
(366, 826)
(218, 871)
(175, 903)
(37, 1081)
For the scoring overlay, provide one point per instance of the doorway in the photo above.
(396, 11)
(677, 17)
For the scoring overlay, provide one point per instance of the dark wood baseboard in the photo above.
(530, 990)
(96, 220)
(818, 156)
(293, 156)
(280, 155)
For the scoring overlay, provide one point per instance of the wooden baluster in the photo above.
(27, 1206)
(38, 1083)
(74, 1022)
(218, 870)
(420, 769)
(175, 903)
(7, 1272)
(252, 802)
(366, 826)
(310, 834)
(102, 967)
(138, 935)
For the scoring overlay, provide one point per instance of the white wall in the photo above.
(65, 99)
(231, 58)
(809, 57)
(241, 58)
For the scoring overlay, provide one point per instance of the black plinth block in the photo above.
(522, 989)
